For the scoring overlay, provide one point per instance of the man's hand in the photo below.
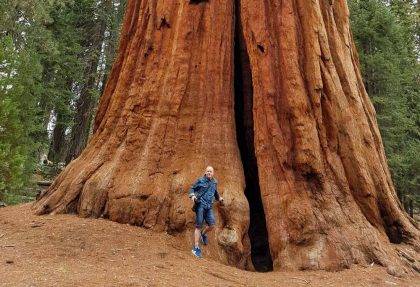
(193, 198)
(222, 201)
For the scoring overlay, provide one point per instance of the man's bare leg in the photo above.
(197, 234)
(207, 229)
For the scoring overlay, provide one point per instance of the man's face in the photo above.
(209, 172)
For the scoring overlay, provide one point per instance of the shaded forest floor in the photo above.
(65, 250)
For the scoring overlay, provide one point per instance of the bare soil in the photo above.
(65, 250)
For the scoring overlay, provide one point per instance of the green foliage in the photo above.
(30, 84)
(385, 34)
(20, 73)
(45, 46)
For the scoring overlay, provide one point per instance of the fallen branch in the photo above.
(44, 183)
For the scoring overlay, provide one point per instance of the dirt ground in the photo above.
(65, 250)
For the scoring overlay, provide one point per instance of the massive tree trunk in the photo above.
(304, 153)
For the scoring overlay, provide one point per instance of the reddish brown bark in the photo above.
(325, 184)
(168, 111)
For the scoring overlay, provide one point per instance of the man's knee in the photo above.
(199, 222)
(199, 219)
(210, 220)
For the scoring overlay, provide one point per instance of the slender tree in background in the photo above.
(99, 42)
(63, 72)
(169, 109)
(112, 35)
(94, 29)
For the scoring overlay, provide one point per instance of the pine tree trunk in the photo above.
(116, 8)
(86, 102)
(83, 115)
(113, 33)
(305, 149)
(58, 140)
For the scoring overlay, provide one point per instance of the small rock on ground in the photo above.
(416, 266)
(395, 271)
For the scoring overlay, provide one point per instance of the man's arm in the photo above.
(217, 195)
(194, 188)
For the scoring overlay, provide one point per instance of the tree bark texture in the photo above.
(313, 156)
(57, 145)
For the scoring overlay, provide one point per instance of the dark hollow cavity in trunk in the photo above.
(260, 249)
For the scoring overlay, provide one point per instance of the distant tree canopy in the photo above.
(55, 56)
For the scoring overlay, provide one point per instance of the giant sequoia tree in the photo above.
(270, 94)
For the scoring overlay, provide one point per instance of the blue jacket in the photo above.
(205, 190)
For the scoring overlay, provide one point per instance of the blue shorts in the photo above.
(204, 214)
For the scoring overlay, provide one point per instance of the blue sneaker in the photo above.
(204, 239)
(196, 251)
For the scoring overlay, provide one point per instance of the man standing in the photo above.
(202, 193)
